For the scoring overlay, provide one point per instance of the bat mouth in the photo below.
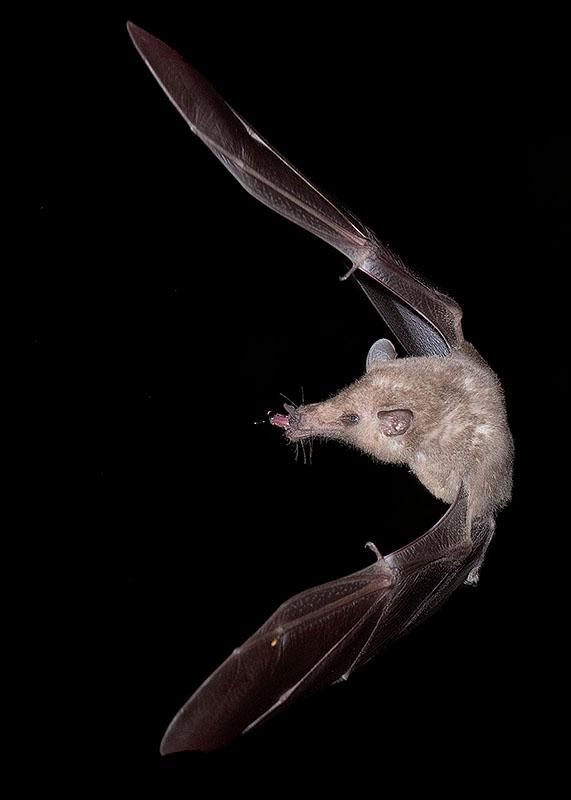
(281, 420)
(292, 423)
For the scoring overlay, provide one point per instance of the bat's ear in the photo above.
(381, 350)
(395, 422)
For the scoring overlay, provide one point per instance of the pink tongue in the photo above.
(281, 420)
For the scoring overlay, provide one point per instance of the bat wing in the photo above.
(320, 636)
(425, 321)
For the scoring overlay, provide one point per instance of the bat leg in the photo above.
(474, 575)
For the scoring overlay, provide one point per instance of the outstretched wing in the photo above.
(425, 321)
(320, 636)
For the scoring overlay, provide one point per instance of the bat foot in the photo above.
(473, 577)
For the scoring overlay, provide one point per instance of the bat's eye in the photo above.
(350, 419)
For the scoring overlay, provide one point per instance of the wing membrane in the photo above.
(423, 320)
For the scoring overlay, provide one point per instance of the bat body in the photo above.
(439, 410)
(443, 417)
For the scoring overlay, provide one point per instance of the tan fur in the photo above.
(459, 431)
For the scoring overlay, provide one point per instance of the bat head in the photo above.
(368, 414)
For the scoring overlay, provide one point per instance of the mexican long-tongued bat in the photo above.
(439, 410)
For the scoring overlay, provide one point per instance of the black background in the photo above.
(163, 313)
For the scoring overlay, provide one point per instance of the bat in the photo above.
(439, 409)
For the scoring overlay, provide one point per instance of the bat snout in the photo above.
(293, 422)
(299, 427)
(313, 420)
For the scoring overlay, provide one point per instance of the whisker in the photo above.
(307, 453)
(290, 401)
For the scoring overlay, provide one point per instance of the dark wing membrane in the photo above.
(320, 636)
(254, 163)
(310, 641)
(424, 321)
